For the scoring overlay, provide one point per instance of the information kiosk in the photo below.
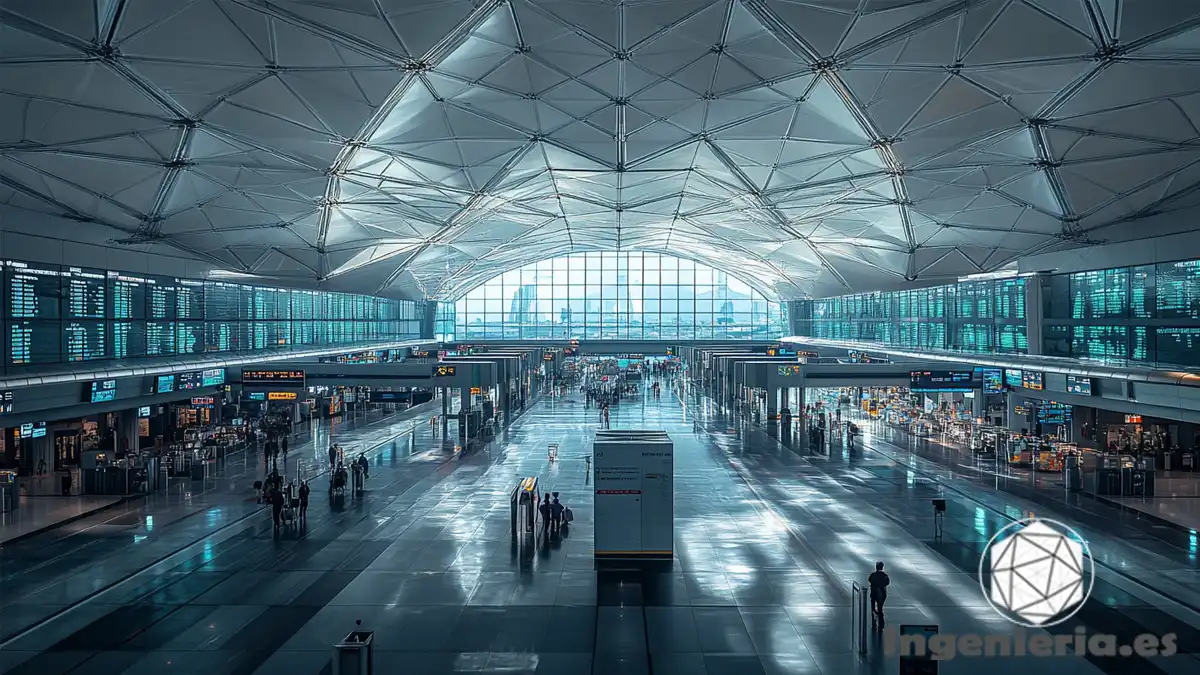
(524, 507)
(635, 495)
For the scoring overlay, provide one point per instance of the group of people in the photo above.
(337, 469)
(555, 516)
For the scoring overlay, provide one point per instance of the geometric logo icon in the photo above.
(1039, 572)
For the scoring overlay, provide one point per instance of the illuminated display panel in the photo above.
(1079, 385)
(85, 293)
(1177, 290)
(940, 381)
(274, 378)
(1013, 377)
(1031, 379)
(33, 291)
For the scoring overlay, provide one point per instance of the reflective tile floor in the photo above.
(35, 513)
(767, 542)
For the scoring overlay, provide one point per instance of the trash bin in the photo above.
(355, 655)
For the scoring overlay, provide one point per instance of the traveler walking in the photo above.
(878, 581)
(276, 505)
(544, 510)
(304, 492)
(556, 514)
(283, 445)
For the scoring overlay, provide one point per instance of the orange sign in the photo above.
(476, 390)
(281, 396)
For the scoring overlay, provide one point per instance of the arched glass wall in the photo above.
(618, 295)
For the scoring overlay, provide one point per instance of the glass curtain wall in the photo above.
(617, 295)
(980, 316)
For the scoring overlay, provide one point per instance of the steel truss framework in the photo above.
(420, 147)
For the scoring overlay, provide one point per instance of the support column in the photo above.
(979, 404)
(127, 431)
(465, 411)
(1033, 312)
(772, 403)
(783, 398)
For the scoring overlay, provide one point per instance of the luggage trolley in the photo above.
(524, 507)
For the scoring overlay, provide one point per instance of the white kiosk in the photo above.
(635, 494)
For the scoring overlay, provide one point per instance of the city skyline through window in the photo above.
(615, 295)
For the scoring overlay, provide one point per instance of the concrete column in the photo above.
(772, 403)
(979, 404)
(445, 394)
(783, 398)
(127, 431)
(1033, 312)
(465, 411)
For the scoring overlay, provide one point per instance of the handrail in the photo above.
(859, 607)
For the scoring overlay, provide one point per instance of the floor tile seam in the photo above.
(1146, 587)
(233, 524)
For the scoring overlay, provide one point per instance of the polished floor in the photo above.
(35, 513)
(768, 540)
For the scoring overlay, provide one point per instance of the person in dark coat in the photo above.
(556, 514)
(878, 581)
(276, 506)
(304, 492)
(544, 509)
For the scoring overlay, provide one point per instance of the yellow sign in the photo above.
(443, 371)
(281, 396)
(476, 390)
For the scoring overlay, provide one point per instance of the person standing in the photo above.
(304, 492)
(878, 581)
(283, 445)
(544, 510)
(556, 513)
(276, 505)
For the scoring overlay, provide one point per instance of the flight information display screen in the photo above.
(1010, 299)
(189, 337)
(1079, 385)
(85, 294)
(1051, 412)
(1177, 290)
(160, 338)
(129, 339)
(992, 380)
(1013, 377)
(189, 300)
(1178, 344)
(164, 384)
(273, 378)
(221, 302)
(160, 300)
(34, 292)
(102, 391)
(85, 340)
(1031, 379)
(128, 296)
(939, 381)
(34, 342)
(188, 381)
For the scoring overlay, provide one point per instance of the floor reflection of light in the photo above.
(139, 538)
(981, 521)
(1192, 544)
(212, 517)
(912, 478)
(149, 523)
(208, 552)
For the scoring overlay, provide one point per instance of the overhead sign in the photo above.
(257, 396)
(281, 396)
(940, 381)
(990, 379)
(1031, 380)
(144, 411)
(1079, 385)
(6, 402)
(1012, 377)
(443, 371)
(165, 384)
(1133, 419)
(212, 377)
(188, 381)
(103, 391)
(788, 371)
(273, 378)
(390, 396)
(203, 401)
(422, 354)
(476, 390)
(547, 357)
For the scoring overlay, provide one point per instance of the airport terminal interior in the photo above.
(622, 337)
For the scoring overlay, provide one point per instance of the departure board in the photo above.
(1178, 345)
(34, 291)
(1100, 294)
(221, 301)
(248, 301)
(85, 340)
(160, 338)
(1100, 342)
(1010, 298)
(1141, 292)
(160, 300)
(222, 336)
(34, 342)
(129, 339)
(1177, 290)
(85, 294)
(127, 296)
(189, 337)
(189, 300)
(930, 381)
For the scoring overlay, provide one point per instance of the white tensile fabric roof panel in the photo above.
(419, 147)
